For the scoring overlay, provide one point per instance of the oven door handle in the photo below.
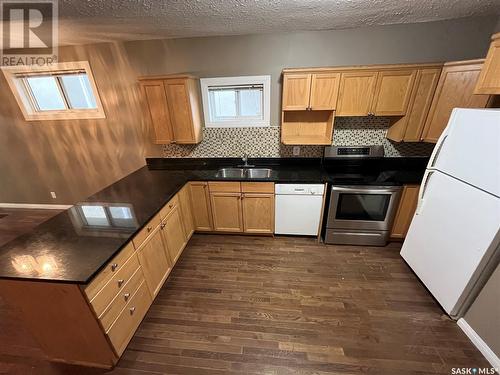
(366, 190)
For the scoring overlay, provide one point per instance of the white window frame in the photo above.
(265, 81)
(16, 75)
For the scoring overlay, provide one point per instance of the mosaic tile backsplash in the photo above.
(265, 142)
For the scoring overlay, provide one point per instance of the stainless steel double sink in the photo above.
(244, 173)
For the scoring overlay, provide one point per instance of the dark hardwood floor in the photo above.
(284, 305)
(16, 221)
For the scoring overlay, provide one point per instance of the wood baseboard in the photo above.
(36, 206)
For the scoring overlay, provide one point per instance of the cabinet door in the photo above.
(324, 91)
(258, 213)
(226, 212)
(425, 86)
(186, 211)
(356, 93)
(455, 89)
(173, 234)
(405, 212)
(157, 107)
(489, 80)
(180, 110)
(392, 93)
(200, 203)
(154, 261)
(296, 91)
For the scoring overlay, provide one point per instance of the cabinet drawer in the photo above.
(222, 187)
(169, 207)
(115, 285)
(113, 310)
(146, 231)
(257, 187)
(129, 319)
(111, 269)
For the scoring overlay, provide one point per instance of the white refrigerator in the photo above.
(453, 241)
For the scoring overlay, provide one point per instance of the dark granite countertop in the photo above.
(76, 244)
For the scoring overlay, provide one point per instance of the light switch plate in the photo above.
(53, 194)
(296, 150)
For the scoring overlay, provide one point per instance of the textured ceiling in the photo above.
(84, 21)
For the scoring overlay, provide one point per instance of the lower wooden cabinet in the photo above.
(173, 234)
(200, 203)
(405, 212)
(258, 213)
(154, 260)
(186, 211)
(129, 319)
(226, 212)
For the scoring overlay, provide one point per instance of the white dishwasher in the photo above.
(298, 208)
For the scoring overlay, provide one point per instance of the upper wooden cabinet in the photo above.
(356, 93)
(409, 128)
(393, 91)
(379, 93)
(455, 89)
(310, 91)
(174, 109)
(489, 79)
(296, 91)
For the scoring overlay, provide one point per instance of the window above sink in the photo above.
(236, 102)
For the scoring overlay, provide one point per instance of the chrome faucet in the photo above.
(244, 159)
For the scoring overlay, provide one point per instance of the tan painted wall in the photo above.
(79, 157)
(484, 314)
(269, 54)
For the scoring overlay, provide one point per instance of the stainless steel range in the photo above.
(361, 210)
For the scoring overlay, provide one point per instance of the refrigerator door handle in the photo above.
(437, 151)
(423, 189)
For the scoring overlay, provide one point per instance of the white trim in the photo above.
(205, 83)
(36, 206)
(478, 342)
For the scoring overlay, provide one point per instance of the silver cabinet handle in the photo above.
(114, 266)
(126, 296)
(163, 225)
(120, 283)
(132, 309)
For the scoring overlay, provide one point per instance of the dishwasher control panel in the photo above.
(299, 189)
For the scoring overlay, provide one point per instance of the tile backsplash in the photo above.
(265, 142)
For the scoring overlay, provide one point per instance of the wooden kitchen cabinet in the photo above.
(258, 213)
(489, 79)
(310, 91)
(154, 260)
(226, 212)
(455, 89)
(173, 106)
(392, 92)
(200, 203)
(324, 91)
(405, 212)
(174, 237)
(186, 211)
(409, 128)
(296, 91)
(157, 108)
(356, 93)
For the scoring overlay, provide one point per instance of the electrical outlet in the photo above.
(296, 150)
(53, 194)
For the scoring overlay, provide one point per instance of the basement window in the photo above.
(236, 102)
(57, 92)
